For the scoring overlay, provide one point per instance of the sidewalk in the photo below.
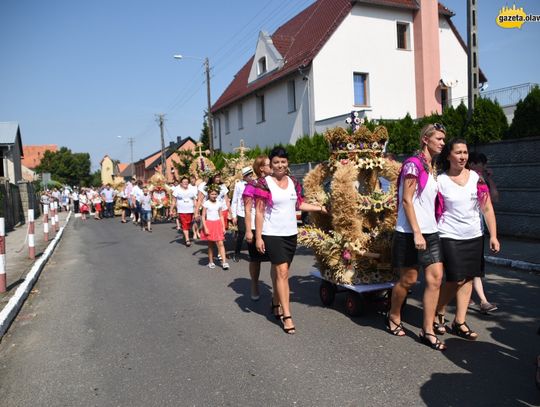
(523, 254)
(18, 265)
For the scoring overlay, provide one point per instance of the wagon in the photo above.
(358, 297)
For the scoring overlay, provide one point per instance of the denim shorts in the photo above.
(405, 254)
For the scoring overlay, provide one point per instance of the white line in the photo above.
(8, 314)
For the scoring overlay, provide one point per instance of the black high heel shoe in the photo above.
(291, 330)
(273, 306)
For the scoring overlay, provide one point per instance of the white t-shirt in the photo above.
(212, 209)
(237, 204)
(280, 218)
(462, 218)
(424, 205)
(223, 191)
(108, 194)
(146, 202)
(185, 199)
(137, 193)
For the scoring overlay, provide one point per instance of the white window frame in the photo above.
(365, 75)
(291, 95)
(240, 116)
(259, 103)
(262, 66)
(407, 34)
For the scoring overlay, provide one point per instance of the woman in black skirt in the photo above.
(278, 196)
(465, 198)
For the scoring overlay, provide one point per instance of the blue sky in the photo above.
(90, 74)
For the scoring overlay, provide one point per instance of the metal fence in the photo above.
(508, 96)
(11, 207)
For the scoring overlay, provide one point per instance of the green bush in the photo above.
(526, 121)
(488, 123)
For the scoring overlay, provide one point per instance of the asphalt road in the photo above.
(121, 317)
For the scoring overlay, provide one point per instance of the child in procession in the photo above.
(146, 211)
(213, 229)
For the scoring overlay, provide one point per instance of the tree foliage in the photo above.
(66, 167)
(488, 123)
(526, 121)
(205, 134)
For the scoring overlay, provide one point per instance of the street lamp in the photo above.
(209, 112)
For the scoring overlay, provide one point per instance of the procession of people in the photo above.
(443, 208)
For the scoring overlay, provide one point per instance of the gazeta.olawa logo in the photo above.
(515, 17)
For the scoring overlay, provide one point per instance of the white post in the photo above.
(31, 235)
(2, 255)
(57, 222)
(46, 222)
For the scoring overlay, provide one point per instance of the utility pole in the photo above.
(131, 141)
(161, 121)
(472, 56)
(209, 112)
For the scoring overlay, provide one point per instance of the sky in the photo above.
(90, 75)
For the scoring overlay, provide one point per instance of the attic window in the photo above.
(261, 66)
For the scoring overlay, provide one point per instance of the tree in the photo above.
(526, 123)
(66, 167)
(488, 122)
(95, 178)
(205, 134)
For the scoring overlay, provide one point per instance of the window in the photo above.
(445, 97)
(261, 66)
(240, 116)
(227, 123)
(361, 89)
(260, 108)
(291, 95)
(403, 36)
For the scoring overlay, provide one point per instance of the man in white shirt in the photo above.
(108, 196)
(137, 194)
(238, 211)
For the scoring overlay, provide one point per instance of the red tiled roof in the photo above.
(300, 39)
(32, 155)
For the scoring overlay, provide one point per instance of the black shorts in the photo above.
(463, 259)
(405, 254)
(280, 249)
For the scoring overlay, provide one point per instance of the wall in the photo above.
(280, 126)
(366, 42)
(516, 172)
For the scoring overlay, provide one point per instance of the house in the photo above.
(108, 168)
(11, 151)
(32, 156)
(149, 165)
(382, 58)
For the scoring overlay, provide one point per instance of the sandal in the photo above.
(188, 243)
(397, 330)
(437, 345)
(469, 334)
(273, 306)
(439, 326)
(291, 330)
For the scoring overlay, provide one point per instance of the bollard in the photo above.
(57, 222)
(31, 235)
(2, 255)
(53, 219)
(46, 222)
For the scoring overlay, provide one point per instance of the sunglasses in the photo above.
(439, 127)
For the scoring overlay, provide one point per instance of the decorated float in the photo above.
(352, 242)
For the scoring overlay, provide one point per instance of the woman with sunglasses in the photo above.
(416, 242)
(465, 197)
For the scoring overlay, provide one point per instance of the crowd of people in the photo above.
(444, 204)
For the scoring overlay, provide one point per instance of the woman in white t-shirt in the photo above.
(465, 197)
(277, 198)
(185, 205)
(416, 243)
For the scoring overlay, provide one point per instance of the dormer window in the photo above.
(261, 66)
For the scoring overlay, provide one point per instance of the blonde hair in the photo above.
(429, 129)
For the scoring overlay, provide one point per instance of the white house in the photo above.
(383, 58)
(11, 151)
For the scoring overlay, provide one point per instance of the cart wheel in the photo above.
(354, 304)
(327, 292)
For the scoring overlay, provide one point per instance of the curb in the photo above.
(516, 264)
(8, 314)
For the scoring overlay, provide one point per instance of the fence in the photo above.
(11, 207)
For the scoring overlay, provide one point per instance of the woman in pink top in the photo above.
(278, 196)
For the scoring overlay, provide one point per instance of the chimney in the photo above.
(427, 60)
